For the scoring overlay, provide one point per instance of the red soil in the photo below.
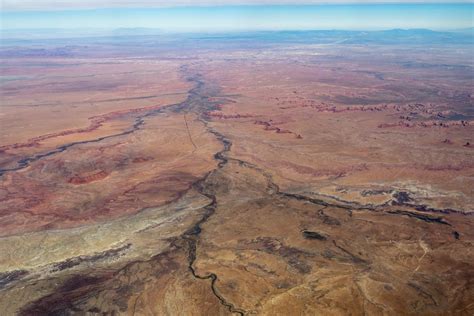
(96, 122)
(78, 179)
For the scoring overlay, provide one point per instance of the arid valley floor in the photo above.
(246, 175)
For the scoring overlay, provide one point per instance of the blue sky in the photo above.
(202, 17)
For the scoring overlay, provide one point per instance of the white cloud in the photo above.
(14, 5)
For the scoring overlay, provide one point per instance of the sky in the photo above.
(235, 15)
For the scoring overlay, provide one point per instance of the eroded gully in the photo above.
(201, 99)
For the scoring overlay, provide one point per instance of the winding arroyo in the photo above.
(190, 207)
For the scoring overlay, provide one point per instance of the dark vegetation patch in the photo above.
(313, 235)
(423, 217)
(72, 262)
(11, 276)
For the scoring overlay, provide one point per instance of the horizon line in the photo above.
(162, 30)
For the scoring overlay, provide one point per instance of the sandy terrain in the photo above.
(284, 180)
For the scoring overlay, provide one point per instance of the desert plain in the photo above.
(210, 175)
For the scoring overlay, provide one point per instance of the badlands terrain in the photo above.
(262, 174)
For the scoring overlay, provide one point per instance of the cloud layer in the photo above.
(48, 5)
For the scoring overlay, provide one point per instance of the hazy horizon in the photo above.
(271, 17)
